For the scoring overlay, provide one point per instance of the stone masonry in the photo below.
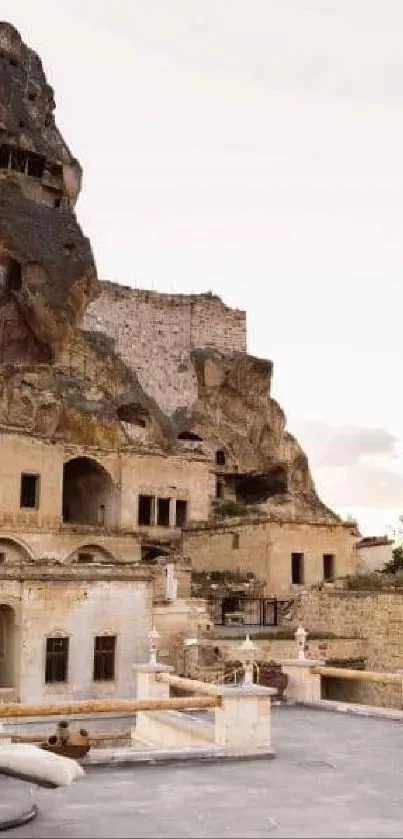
(374, 617)
(160, 330)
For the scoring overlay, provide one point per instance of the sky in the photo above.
(254, 148)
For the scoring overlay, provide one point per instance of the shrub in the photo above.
(375, 581)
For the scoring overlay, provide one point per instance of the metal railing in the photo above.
(247, 611)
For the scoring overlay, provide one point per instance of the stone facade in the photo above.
(79, 610)
(267, 547)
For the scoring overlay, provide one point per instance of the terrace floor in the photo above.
(335, 775)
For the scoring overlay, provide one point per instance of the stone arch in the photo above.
(94, 552)
(9, 646)
(14, 550)
(89, 495)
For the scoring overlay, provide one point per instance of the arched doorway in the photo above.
(89, 495)
(8, 647)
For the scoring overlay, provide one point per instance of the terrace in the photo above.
(335, 775)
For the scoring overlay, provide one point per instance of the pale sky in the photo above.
(255, 148)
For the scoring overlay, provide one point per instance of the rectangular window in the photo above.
(2, 558)
(297, 568)
(104, 657)
(328, 566)
(235, 541)
(181, 513)
(145, 509)
(57, 660)
(163, 512)
(29, 493)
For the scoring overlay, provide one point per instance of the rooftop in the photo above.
(335, 775)
(373, 541)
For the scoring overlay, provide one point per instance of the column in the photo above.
(303, 685)
(172, 512)
(242, 721)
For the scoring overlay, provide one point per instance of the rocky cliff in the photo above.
(55, 379)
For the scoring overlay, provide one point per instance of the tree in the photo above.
(396, 563)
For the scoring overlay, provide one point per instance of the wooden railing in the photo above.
(357, 675)
(110, 706)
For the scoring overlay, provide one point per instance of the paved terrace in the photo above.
(335, 775)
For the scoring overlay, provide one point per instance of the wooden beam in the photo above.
(356, 675)
(105, 706)
(191, 685)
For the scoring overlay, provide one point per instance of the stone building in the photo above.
(133, 426)
(374, 552)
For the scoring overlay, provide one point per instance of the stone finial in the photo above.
(300, 637)
(247, 652)
(153, 637)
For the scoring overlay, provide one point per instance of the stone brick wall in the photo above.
(155, 334)
(376, 617)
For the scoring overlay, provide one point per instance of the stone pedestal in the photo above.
(242, 722)
(147, 687)
(303, 685)
(146, 684)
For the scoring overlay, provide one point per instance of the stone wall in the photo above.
(278, 650)
(80, 609)
(266, 547)
(155, 334)
(376, 617)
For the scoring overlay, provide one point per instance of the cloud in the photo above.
(345, 445)
(354, 467)
(363, 485)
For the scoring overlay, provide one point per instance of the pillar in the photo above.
(172, 512)
(147, 687)
(303, 686)
(242, 721)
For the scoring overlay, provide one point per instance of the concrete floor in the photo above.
(335, 775)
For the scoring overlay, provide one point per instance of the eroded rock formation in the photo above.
(55, 379)
(257, 461)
